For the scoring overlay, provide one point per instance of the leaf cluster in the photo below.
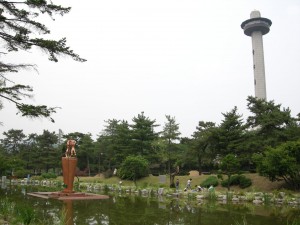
(281, 163)
(21, 30)
(133, 168)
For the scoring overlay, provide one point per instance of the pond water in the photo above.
(133, 209)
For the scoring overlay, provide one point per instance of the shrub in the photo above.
(133, 168)
(21, 173)
(211, 180)
(235, 180)
(240, 180)
(6, 207)
(25, 214)
(245, 182)
(224, 183)
(49, 175)
(108, 173)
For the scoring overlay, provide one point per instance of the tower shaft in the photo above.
(258, 65)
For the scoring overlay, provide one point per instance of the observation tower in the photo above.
(256, 27)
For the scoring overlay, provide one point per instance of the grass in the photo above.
(259, 183)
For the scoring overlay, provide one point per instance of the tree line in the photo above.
(267, 141)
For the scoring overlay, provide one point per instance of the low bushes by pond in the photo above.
(236, 180)
(146, 189)
(239, 180)
(210, 181)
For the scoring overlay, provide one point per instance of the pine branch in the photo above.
(17, 27)
(31, 110)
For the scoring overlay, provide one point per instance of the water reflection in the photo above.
(133, 209)
(68, 212)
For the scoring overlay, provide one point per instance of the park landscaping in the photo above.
(261, 192)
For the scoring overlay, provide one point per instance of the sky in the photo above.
(186, 58)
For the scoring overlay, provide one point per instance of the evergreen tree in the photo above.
(20, 30)
(230, 165)
(272, 124)
(202, 143)
(86, 153)
(115, 140)
(13, 141)
(170, 133)
(30, 151)
(48, 152)
(143, 134)
(230, 133)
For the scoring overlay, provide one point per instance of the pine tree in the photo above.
(143, 134)
(20, 30)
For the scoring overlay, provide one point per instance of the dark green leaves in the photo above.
(21, 30)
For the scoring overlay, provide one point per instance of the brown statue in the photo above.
(70, 152)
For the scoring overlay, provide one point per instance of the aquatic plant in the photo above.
(6, 208)
(267, 198)
(211, 195)
(293, 222)
(243, 222)
(229, 196)
(25, 214)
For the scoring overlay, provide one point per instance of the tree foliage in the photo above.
(270, 122)
(170, 134)
(143, 134)
(21, 30)
(47, 150)
(229, 134)
(203, 142)
(133, 168)
(13, 141)
(115, 140)
(230, 165)
(281, 163)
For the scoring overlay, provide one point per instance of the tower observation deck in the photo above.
(256, 27)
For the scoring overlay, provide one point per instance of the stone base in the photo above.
(68, 196)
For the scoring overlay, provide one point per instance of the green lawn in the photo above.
(259, 183)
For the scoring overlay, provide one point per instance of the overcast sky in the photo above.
(186, 58)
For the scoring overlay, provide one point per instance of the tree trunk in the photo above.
(88, 165)
(228, 183)
(199, 164)
(172, 177)
(169, 164)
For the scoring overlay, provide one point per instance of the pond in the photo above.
(133, 209)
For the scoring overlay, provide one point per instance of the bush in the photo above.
(133, 168)
(240, 180)
(245, 182)
(224, 183)
(108, 173)
(49, 175)
(211, 180)
(21, 173)
(25, 214)
(235, 180)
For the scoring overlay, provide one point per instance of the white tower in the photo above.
(256, 27)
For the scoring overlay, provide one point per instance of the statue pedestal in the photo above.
(69, 165)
